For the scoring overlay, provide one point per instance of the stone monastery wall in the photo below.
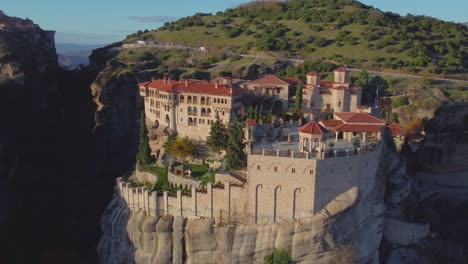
(278, 189)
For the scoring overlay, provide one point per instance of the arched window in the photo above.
(190, 121)
(202, 100)
(194, 111)
(203, 112)
(189, 99)
(208, 100)
(208, 112)
(195, 100)
(189, 110)
(194, 121)
(181, 98)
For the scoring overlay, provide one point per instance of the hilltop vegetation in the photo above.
(344, 32)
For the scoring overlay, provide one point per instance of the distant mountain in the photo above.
(72, 55)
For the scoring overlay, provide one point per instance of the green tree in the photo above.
(181, 147)
(144, 153)
(235, 155)
(250, 112)
(217, 138)
(278, 256)
(298, 105)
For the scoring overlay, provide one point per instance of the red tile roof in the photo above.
(274, 80)
(193, 86)
(313, 74)
(327, 84)
(349, 117)
(313, 128)
(358, 128)
(331, 123)
(395, 129)
(342, 69)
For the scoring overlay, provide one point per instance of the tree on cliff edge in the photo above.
(235, 155)
(298, 102)
(217, 138)
(144, 153)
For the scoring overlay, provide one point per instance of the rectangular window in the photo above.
(258, 167)
(293, 170)
(276, 169)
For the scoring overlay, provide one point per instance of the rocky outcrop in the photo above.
(360, 218)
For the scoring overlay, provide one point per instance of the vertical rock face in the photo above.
(318, 239)
(46, 117)
(117, 119)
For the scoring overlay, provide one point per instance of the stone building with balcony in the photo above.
(322, 96)
(276, 92)
(188, 107)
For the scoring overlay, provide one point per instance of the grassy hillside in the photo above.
(345, 32)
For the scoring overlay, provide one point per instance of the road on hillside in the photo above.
(401, 75)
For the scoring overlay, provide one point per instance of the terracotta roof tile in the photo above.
(342, 69)
(193, 86)
(358, 128)
(313, 128)
(274, 80)
(331, 123)
(313, 74)
(349, 117)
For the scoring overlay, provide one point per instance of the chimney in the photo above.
(227, 81)
(164, 78)
(169, 80)
(152, 78)
(216, 84)
(186, 81)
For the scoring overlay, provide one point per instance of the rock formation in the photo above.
(130, 235)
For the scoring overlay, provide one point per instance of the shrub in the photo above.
(278, 256)
(400, 101)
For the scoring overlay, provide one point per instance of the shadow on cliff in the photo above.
(48, 171)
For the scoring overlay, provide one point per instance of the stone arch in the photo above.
(307, 169)
(273, 165)
(254, 165)
(194, 110)
(190, 121)
(289, 167)
(256, 201)
(208, 112)
(189, 110)
(203, 111)
(195, 100)
(277, 107)
(203, 100)
(189, 99)
(275, 202)
(267, 104)
(181, 98)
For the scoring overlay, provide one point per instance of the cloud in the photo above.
(150, 19)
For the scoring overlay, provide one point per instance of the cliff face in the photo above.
(131, 236)
(46, 120)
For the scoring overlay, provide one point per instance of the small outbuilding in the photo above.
(311, 135)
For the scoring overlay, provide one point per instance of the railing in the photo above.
(329, 153)
(189, 101)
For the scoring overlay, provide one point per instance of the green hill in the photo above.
(343, 32)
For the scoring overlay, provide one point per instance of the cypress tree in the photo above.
(217, 138)
(235, 155)
(144, 153)
(298, 102)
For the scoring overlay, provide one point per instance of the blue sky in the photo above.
(105, 21)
